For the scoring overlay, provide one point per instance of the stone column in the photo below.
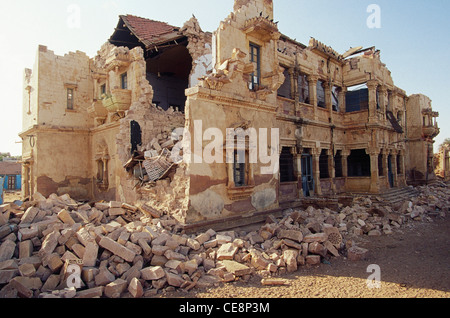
(312, 81)
(372, 86)
(374, 173)
(345, 153)
(342, 100)
(394, 167)
(298, 173)
(383, 100)
(316, 170)
(385, 154)
(328, 99)
(332, 170)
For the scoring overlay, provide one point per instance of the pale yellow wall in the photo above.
(56, 74)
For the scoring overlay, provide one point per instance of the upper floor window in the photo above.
(102, 90)
(303, 88)
(321, 94)
(124, 81)
(70, 98)
(255, 59)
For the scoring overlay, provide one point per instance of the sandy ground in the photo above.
(414, 263)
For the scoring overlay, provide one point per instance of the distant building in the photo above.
(10, 176)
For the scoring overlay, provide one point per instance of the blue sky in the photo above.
(414, 39)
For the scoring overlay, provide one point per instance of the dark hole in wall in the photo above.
(136, 136)
(286, 166)
(168, 73)
(358, 164)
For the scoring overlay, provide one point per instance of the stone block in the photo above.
(7, 250)
(116, 211)
(171, 255)
(53, 262)
(356, 253)
(145, 247)
(5, 230)
(191, 266)
(290, 258)
(23, 291)
(135, 288)
(29, 215)
(174, 279)
(51, 283)
(116, 288)
(27, 233)
(117, 249)
(317, 248)
(95, 292)
(193, 244)
(104, 277)
(331, 248)
(259, 262)
(84, 236)
(203, 237)
(33, 283)
(318, 237)
(90, 254)
(236, 268)
(65, 217)
(152, 273)
(227, 252)
(312, 259)
(27, 270)
(8, 274)
(291, 234)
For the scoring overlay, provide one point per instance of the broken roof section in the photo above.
(133, 31)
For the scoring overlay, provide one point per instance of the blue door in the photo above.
(390, 174)
(307, 175)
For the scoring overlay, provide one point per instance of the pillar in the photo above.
(383, 100)
(312, 81)
(332, 170)
(342, 100)
(374, 174)
(328, 99)
(385, 154)
(372, 85)
(316, 170)
(394, 167)
(345, 153)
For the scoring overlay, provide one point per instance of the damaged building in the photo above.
(105, 128)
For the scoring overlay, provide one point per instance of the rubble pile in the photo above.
(58, 248)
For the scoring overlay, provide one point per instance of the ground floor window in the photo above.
(286, 166)
(338, 164)
(323, 165)
(240, 168)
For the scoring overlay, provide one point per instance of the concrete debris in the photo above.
(67, 249)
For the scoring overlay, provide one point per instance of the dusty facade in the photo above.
(91, 126)
(422, 129)
(442, 160)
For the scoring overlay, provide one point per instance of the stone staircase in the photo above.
(396, 195)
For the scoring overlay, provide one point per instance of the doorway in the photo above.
(390, 174)
(307, 175)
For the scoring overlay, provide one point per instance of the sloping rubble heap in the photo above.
(113, 249)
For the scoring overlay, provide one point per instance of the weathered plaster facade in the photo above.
(442, 159)
(340, 123)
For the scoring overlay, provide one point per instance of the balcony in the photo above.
(118, 102)
(430, 131)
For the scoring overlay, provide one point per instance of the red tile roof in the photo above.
(150, 32)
